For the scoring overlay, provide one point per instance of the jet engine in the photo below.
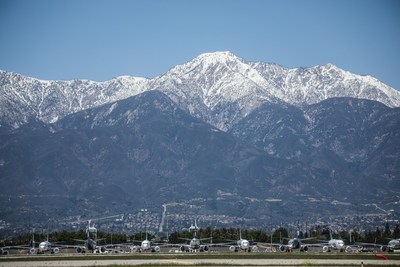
(155, 249)
(349, 249)
(205, 248)
(134, 249)
(183, 249)
(233, 248)
(32, 251)
(254, 249)
(282, 248)
(304, 248)
(80, 250)
(326, 249)
(102, 249)
(118, 251)
(55, 251)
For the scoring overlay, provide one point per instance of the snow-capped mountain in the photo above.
(223, 88)
(294, 135)
(24, 99)
(304, 86)
(219, 87)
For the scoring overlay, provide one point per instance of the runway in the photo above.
(202, 262)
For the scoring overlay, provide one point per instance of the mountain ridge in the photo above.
(145, 151)
(218, 131)
(210, 86)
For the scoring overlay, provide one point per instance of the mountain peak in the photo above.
(330, 66)
(219, 56)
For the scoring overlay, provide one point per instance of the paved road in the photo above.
(199, 262)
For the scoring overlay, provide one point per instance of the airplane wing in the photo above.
(368, 247)
(271, 245)
(5, 249)
(368, 244)
(80, 240)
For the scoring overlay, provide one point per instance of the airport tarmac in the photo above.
(202, 262)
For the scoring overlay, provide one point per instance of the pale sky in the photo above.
(99, 40)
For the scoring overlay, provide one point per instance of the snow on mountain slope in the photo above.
(218, 87)
(222, 88)
(23, 97)
(304, 86)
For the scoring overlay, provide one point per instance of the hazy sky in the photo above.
(99, 40)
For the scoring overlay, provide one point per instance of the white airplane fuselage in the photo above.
(145, 245)
(194, 243)
(243, 244)
(294, 243)
(336, 244)
(46, 246)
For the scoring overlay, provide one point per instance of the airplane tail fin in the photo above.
(194, 227)
(298, 229)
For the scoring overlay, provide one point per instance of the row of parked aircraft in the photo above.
(196, 244)
(89, 244)
(334, 244)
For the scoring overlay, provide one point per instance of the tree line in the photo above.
(378, 236)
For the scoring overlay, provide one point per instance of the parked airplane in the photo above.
(44, 246)
(392, 245)
(90, 244)
(145, 245)
(335, 244)
(47, 246)
(195, 244)
(242, 245)
(294, 243)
